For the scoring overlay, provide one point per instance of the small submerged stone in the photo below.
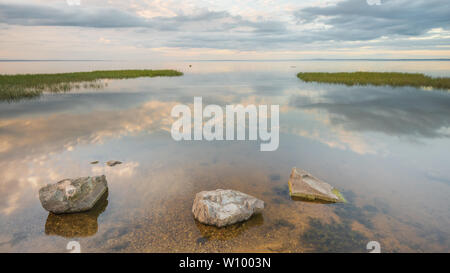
(304, 185)
(113, 163)
(225, 207)
(202, 240)
(94, 162)
(73, 195)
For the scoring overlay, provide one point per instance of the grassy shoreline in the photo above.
(376, 78)
(14, 87)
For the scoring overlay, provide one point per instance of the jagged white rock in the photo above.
(304, 185)
(225, 207)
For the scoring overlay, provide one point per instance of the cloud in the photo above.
(105, 17)
(201, 28)
(259, 26)
(354, 20)
(81, 16)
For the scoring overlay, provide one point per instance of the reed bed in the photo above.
(14, 87)
(376, 78)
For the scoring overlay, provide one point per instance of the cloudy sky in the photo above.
(235, 29)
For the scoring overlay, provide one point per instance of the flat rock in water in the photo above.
(225, 207)
(73, 195)
(304, 185)
(113, 163)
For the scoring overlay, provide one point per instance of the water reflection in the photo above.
(227, 233)
(301, 199)
(51, 132)
(75, 225)
(16, 239)
(334, 237)
(407, 111)
(26, 144)
(386, 145)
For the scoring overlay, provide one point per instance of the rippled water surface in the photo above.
(387, 149)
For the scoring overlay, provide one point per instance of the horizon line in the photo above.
(232, 60)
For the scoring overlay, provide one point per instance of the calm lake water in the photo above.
(387, 149)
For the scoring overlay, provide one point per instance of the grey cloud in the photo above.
(96, 17)
(42, 15)
(203, 29)
(352, 20)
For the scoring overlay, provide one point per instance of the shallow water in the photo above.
(385, 148)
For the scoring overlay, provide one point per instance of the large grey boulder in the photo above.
(304, 185)
(73, 195)
(225, 207)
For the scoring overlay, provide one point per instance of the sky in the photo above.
(213, 30)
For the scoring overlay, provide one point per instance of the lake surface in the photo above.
(387, 149)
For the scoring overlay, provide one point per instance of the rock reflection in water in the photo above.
(82, 224)
(227, 233)
(315, 201)
(333, 237)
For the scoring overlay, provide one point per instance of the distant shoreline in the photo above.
(232, 60)
(19, 60)
(306, 60)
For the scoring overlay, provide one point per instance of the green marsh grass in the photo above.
(376, 78)
(14, 87)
